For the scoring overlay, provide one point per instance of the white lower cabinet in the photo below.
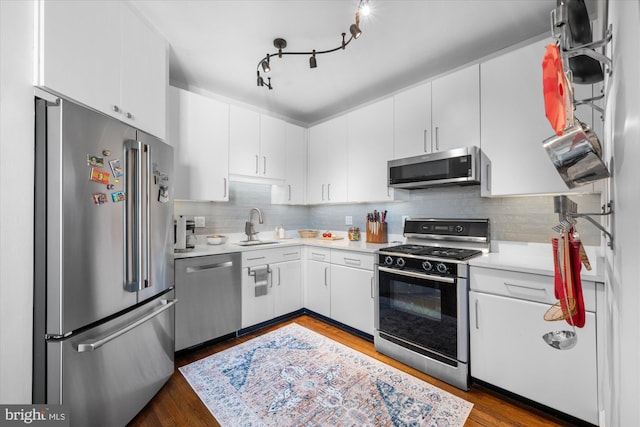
(287, 287)
(318, 283)
(507, 349)
(339, 285)
(283, 292)
(352, 297)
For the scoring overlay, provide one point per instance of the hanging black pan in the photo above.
(586, 70)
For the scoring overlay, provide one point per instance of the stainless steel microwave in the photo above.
(460, 166)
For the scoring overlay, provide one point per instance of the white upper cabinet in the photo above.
(455, 109)
(272, 147)
(199, 132)
(514, 125)
(293, 191)
(327, 162)
(144, 81)
(412, 122)
(103, 55)
(244, 141)
(257, 146)
(370, 147)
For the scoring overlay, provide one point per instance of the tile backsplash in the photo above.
(524, 219)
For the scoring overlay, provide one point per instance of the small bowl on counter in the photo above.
(216, 239)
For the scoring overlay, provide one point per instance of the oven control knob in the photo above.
(427, 265)
(388, 260)
(459, 229)
(441, 268)
(400, 262)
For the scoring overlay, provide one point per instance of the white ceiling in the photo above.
(216, 46)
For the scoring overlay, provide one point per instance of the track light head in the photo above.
(355, 31)
(312, 60)
(266, 67)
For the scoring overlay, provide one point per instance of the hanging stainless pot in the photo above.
(577, 153)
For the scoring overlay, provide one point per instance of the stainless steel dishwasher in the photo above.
(208, 292)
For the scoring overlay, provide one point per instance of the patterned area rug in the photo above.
(296, 377)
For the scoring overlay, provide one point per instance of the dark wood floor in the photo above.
(178, 405)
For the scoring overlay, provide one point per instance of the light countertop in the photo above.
(535, 258)
(203, 249)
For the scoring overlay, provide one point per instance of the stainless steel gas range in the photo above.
(421, 304)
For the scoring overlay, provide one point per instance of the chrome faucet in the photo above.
(248, 226)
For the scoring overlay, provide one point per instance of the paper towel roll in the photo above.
(181, 233)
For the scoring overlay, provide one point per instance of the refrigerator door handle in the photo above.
(96, 344)
(145, 192)
(136, 226)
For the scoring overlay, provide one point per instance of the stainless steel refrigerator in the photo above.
(103, 272)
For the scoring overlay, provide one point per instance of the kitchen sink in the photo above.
(256, 242)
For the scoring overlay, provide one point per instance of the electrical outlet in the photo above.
(348, 220)
(199, 220)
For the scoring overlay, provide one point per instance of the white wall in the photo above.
(16, 200)
(622, 143)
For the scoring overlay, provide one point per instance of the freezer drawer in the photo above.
(208, 288)
(107, 374)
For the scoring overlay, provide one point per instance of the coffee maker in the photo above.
(184, 234)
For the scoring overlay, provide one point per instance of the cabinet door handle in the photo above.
(253, 259)
(316, 255)
(477, 323)
(264, 165)
(289, 192)
(323, 192)
(372, 286)
(531, 288)
(257, 161)
(325, 276)
(224, 187)
(329, 192)
(437, 138)
(424, 140)
(278, 276)
(352, 261)
(488, 177)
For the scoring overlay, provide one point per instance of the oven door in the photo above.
(424, 311)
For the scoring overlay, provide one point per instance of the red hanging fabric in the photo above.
(576, 266)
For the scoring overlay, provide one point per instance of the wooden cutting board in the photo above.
(330, 238)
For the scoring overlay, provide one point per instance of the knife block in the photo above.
(376, 232)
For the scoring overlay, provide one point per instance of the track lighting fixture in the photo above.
(279, 43)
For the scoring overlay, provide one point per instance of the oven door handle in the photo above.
(417, 275)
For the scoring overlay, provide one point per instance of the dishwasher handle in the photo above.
(94, 345)
(197, 268)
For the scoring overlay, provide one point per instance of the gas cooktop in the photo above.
(458, 254)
